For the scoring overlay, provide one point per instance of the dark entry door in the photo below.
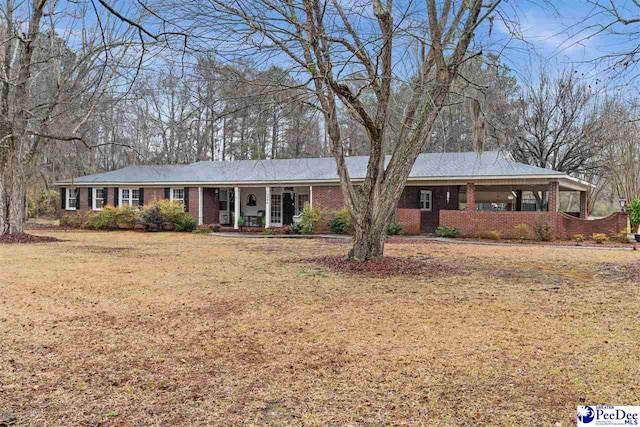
(288, 208)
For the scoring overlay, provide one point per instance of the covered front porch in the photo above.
(253, 207)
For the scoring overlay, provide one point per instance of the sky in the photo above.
(568, 33)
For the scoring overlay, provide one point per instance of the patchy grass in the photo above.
(127, 328)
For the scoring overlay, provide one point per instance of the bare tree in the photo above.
(50, 79)
(339, 47)
(559, 126)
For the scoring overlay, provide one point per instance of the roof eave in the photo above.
(568, 181)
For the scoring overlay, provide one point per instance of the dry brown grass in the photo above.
(128, 328)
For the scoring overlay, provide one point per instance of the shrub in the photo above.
(151, 218)
(241, 222)
(186, 223)
(394, 229)
(72, 220)
(294, 228)
(102, 220)
(634, 213)
(44, 202)
(491, 235)
(309, 220)
(620, 236)
(599, 238)
(543, 230)
(341, 222)
(171, 210)
(201, 231)
(578, 238)
(125, 217)
(522, 231)
(215, 228)
(444, 231)
(269, 232)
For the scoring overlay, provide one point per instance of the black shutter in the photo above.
(63, 198)
(141, 199)
(77, 198)
(167, 193)
(186, 199)
(90, 198)
(116, 196)
(418, 202)
(105, 195)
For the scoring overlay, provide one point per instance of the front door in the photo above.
(288, 208)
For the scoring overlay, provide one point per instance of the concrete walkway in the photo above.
(279, 236)
(420, 238)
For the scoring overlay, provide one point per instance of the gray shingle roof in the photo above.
(427, 166)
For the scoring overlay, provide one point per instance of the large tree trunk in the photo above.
(4, 211)
(15, 193)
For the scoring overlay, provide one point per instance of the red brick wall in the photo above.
(329, 198)
(563, 226)
(409, 219)
(473, 223)
(430, 220)
(568, 225)
(153, 194)
(193, 202)
(210, 207)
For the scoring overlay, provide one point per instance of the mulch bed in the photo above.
(24, 238)
(388, 266)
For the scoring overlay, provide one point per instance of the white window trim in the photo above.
(130, 199)
(93, 199)
(430, 197)
(66, 202)
(171, 190)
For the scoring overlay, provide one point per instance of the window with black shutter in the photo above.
(105, 194)
(90, 198)
(116, 197)
(167, 193)
(141, 200)
(63, 198)
(186, 199)
(77, 198)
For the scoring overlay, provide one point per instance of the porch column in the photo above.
(200, 206)
(584, 201)
(310, 196)
(236, 213)
(471, 196)
(554, 190)
(267, 207)
(518, 200)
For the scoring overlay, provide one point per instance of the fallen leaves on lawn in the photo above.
(24, 238)
(388, 266)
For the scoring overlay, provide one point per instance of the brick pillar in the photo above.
(554, 190)
(471, 196)
(583, 204)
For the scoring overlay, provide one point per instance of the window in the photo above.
(251, 200)
(177, 194)
(72, 198)
(425, 200)
(222, 200)
(129, 197)
(303, 201)
(98, 199)
(276, 209)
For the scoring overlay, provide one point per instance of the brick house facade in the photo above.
(464, 190)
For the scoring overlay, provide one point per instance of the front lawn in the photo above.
(130, 328)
